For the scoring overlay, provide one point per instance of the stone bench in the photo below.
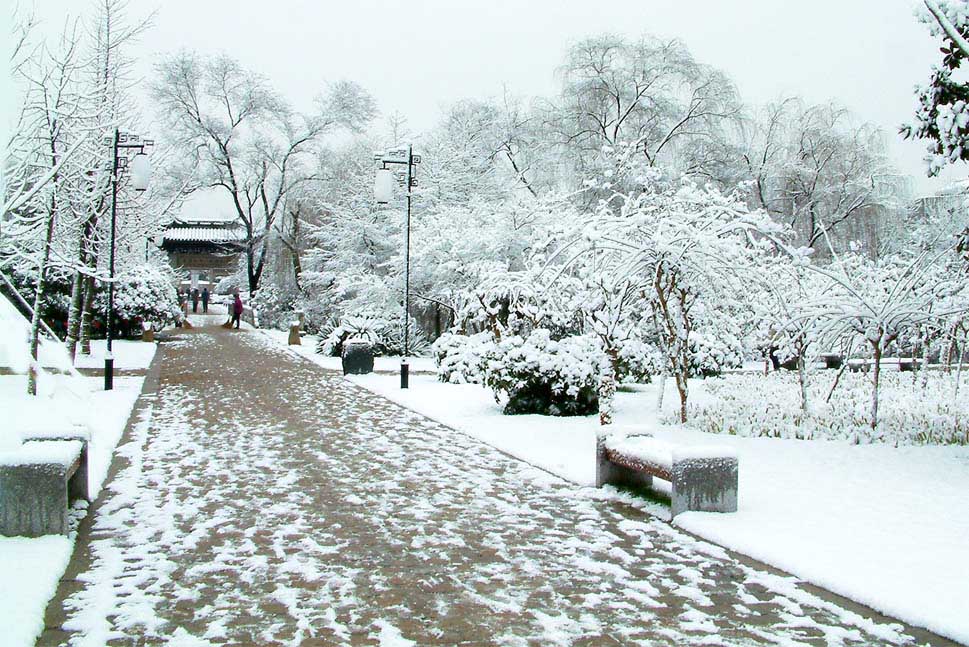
(39, 479)
(702, 478)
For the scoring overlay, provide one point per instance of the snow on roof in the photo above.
(211, 234)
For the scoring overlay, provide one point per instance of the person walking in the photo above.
(205, 300)
(237, 309)
(195, 300)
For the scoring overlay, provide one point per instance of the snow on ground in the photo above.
(881, 525)
(31, 568)
(128, 354)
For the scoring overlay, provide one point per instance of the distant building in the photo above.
(207, 249)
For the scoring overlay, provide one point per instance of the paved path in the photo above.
(259, 500)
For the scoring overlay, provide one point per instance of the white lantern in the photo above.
(383, 186)
(140, 169)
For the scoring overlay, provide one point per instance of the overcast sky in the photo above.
(419, 55)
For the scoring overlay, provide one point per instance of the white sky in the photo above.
(419, 55)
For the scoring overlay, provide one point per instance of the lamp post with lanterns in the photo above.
(383, 191)
(139, 169)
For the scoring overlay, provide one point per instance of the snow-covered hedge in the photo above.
(758, 405)
(638, 361)
(537, 373)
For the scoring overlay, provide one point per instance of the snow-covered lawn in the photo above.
(885, 526)
(128, 354)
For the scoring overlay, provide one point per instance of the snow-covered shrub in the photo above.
(385, 335)
(638, 361)
(275, 306)
(143, 293)
(460, 358)
(363, 328)
(710, 355)
(544, 376)
(758, 405)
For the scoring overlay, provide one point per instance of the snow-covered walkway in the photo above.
(258, 499)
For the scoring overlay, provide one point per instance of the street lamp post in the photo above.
(139, 169)
(383, 188)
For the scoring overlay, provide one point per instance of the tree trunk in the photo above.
(876, 373)
(924, 369)
(297, 269)
(960, 348)
(802, 380)
(74, 314)
(87, 315)
(38, 306)
(608, 376)
(683, 387)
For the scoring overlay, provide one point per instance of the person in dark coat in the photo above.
(195, 300)
(205, 300)
(236, 309)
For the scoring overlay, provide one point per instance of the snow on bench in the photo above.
(703, 478)
(39, 479)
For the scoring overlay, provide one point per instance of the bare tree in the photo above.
(648, 94)
(247, 140)
(820, 170)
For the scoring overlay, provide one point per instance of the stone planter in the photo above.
(357, 357)
(832, 360)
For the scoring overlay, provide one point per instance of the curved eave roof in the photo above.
(205, 234)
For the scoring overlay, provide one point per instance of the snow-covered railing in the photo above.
(703, 478)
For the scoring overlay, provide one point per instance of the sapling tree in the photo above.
(681, 243)
(789, 328)
(48, 139)
(875, 302)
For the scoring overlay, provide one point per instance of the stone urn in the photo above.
(357, 357)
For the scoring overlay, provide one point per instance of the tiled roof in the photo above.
(205, 234)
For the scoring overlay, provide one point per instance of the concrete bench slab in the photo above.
(703, 478)
(37, 482)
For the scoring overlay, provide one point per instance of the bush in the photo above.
(638, 362)
(385, 336)
(460, 358)
(710, 355)
(275, 306)
(544, 376)
(143, 293)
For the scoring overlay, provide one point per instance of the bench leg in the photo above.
(608, 473)
(705, 485)
(78, 487)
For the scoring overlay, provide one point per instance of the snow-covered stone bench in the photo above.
(39, 479)
(703, 478)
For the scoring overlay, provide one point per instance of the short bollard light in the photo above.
(108, 371)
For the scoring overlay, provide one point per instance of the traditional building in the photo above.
(207, 249)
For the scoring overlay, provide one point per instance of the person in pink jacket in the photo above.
(237, 308)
